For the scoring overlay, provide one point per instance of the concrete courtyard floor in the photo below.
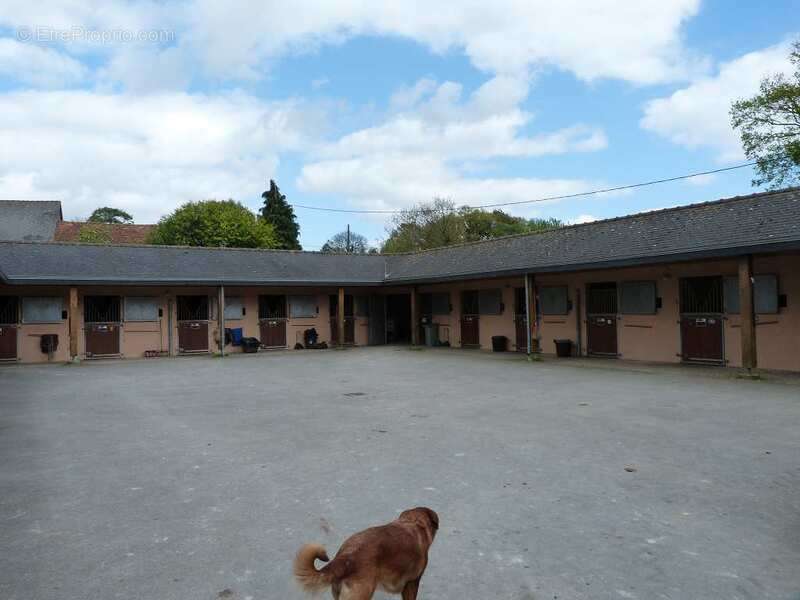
(199, 478)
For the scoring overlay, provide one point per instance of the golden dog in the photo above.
(391, 557)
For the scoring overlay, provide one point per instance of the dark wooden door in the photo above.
(102, 339)
(520, 320)
(273, 333)
(470, 331)
(8, 342)
(702, 305)
(701, 338)
(601, 319)
(601, 332)
(193, 336)
(377, 320)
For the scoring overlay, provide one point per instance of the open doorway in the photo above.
(398, 319)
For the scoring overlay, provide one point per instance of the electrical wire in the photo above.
(544, 199)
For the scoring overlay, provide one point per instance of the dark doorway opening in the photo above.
(470, 319)
(9, 316)
(192, 323)
(601, 319)
(520, 320)
(701, 319)
(272, 320)
(349, 319)
(377, 320)
(398, 319)
(101, 318)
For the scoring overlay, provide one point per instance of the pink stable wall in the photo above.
(490, 325)
(29, 334)
(657, 337)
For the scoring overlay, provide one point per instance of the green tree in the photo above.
(280, 214)
(107, 214)
(426, 225)
(94, 233)
(769, 126)
(214, 223)
(347, 242)
(441, 223)
(484, 225)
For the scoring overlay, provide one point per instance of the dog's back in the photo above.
(392, 557)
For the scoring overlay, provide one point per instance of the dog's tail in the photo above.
(306, 574)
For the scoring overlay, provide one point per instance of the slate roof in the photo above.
(64, 263)
(764, 222)
(758, 222)
(118, 233)
(29, 220)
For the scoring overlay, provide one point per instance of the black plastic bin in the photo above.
(563, 348)
(250, 345)
(499, 343)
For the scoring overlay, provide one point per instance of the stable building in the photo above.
(714, 283)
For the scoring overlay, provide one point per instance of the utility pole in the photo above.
(348, 249)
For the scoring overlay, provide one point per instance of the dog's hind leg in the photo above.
(410, 590)
(360, 590)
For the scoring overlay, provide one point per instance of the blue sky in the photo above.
(350, 105)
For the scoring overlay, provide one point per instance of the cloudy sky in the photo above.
(372, 105)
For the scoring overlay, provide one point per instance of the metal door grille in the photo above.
(192, 308)
(101, 309)
(702, 295)
(470, 303)
(9, 310)
(272, 307)
(601, 299)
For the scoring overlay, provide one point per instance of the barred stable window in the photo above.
(490, 302)
(41, 310)
(553, 300)
(765, 294)
(141, 308)
(302, 306)
(234, 308)
(638, 297)
(362, 306)
(9, 310)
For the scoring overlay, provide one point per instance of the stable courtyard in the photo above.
(201, 477)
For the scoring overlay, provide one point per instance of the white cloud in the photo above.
(145, 154)
(392, 182)
(436, 145)
(580, 219)
(698, 115)
(634, 41)
(41, 67)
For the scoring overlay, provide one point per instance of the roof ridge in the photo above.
(176, 247)
(608, 220)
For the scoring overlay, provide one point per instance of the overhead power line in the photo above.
(546, 198)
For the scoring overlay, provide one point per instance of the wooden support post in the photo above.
(221, 319)
(340, 317)
(747, 313)
(530, 314)
(74, 323)
(414, 317)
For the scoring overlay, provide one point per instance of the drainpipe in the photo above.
(414, 317)
(747, 314)
(578, 310)
(74, 322)
(169, 327)
(340, 317)
(528, 304)
(221, 320)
